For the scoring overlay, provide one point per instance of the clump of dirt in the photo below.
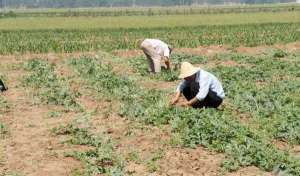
(249, 171)
(291, 47)
(252, 50)
(197, 161)
(159, 84)
(284, 145)
(281, 145)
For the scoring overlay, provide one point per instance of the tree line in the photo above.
(121, 3)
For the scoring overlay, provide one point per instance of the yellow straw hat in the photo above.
(187, 70)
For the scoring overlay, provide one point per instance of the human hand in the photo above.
(174, 101)
(184, 104)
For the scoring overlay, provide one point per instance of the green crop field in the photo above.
(40, 23)
(66, 41)
(74, 106)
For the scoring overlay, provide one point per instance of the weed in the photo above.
(134, 156)
(153, 162)
(12, 173)
(49, 88)
(4, 105)
(3, 130)
(100, 158)
(279, 53)
(54, 114)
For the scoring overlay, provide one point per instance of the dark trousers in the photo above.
(210, 101)
(2, 86)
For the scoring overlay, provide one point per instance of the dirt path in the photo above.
(30, 149)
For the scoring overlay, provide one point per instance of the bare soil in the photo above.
(205, 50)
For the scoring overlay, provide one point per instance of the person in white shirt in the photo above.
(156, 51)
(200, 88)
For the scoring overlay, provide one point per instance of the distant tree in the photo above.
(111, 3)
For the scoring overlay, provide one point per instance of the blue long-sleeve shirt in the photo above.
(206, 81)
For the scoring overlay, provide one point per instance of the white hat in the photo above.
(187, 70)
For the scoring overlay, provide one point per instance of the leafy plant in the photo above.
(4, 105)
(152, 163)
(54, 114)
(280, 53)
(49, 88)
(101, 157)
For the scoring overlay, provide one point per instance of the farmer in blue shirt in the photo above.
(199, 87)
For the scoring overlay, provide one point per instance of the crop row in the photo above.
(217, 130)
(44, 41)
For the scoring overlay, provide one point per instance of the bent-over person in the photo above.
(156, 51)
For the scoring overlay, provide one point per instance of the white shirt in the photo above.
(160, 47)
(206, 81)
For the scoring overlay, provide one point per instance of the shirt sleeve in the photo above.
(204, 88)
(181, 86)
(167, 52)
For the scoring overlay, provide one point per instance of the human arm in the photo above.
(191, 102)
(179, 90)
(166, 57)
(175, 98)
(167, 62)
